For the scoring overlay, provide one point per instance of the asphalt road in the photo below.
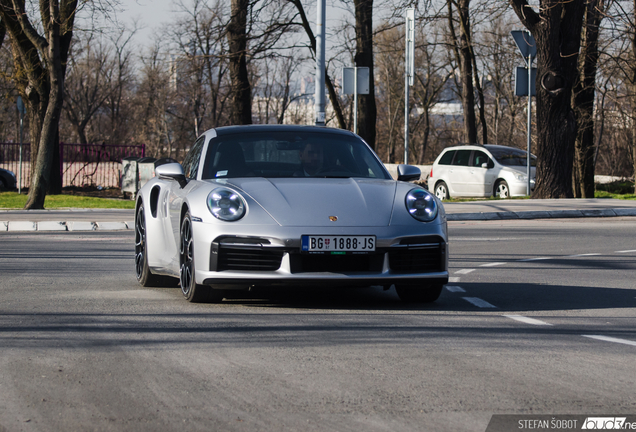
(538, 319)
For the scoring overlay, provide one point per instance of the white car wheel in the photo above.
(441, 191)
(502, 190)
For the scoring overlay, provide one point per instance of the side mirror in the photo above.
(172, 171)
(484, 165)
(408, 172)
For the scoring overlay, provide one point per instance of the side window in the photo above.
(479, 158)
(447, 158)
(191, 162)
(462, 157)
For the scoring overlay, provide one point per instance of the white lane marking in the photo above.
(627, 251)
(455, 288)
(582, 255)
(534, 259)
(464, 271)
(454, 279)
(493, 264)
(527, 320)
(479, 302)
(611, 339)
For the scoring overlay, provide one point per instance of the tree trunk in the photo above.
(463, 57)
(40, 62)
(364, 58)
(241, 110)
(557, 31)
(633, 85)
(583, 100)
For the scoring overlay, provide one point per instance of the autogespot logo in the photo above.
(607, 423)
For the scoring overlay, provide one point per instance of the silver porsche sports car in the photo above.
(262, 206)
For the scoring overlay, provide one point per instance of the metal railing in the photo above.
(80, 164)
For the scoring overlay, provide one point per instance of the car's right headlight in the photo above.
(421, 205)
(226, 204)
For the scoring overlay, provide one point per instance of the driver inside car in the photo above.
(311, 160)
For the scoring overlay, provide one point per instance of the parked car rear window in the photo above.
(447, 158)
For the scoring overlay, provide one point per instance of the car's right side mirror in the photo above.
(172, 171)
(408, 172)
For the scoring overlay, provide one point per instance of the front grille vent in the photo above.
(418, 259)
(248, 259)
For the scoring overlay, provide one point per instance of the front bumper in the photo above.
(239, 261)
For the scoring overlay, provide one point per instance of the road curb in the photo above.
(51, 226)
(76, 226)
(552, 214)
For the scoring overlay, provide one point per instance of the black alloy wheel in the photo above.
(192, 291)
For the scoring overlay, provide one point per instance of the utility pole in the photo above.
(319, 104)
(409, 71)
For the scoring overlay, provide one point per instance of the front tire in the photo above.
(502, 190)
(441, 191)
(419, 294)
(144, 276)
(192, 291)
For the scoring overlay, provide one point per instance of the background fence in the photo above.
(81, 165)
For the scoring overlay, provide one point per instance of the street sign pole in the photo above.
(355, 100)
(409, 69)
(22, 111)
(355, 81)
(528, 189)
(528, 49)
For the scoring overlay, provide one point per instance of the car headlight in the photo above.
(421, 205)
(225, 204)
(521, 177)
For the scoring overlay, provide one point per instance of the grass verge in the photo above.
(13, 200)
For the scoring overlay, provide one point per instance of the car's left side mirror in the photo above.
(408, 172)
(172, 171)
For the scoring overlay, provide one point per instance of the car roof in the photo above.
(480, 146)
(227, 130)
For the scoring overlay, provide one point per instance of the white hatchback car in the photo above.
(481, 171)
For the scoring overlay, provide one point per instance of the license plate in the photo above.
(337, 244)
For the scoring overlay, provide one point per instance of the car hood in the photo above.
(313, 201)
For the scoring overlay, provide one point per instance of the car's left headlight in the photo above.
(521, 177)
(226, 204)
(421, 205)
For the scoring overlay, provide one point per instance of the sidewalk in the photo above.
(113, 220)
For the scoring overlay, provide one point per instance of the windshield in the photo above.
(512, 156)
(290, 154)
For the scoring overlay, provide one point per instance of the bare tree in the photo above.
(583, 98)
(556, 27)
(41, 60)
(237, 39)
(364, 58)
(464, 55)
